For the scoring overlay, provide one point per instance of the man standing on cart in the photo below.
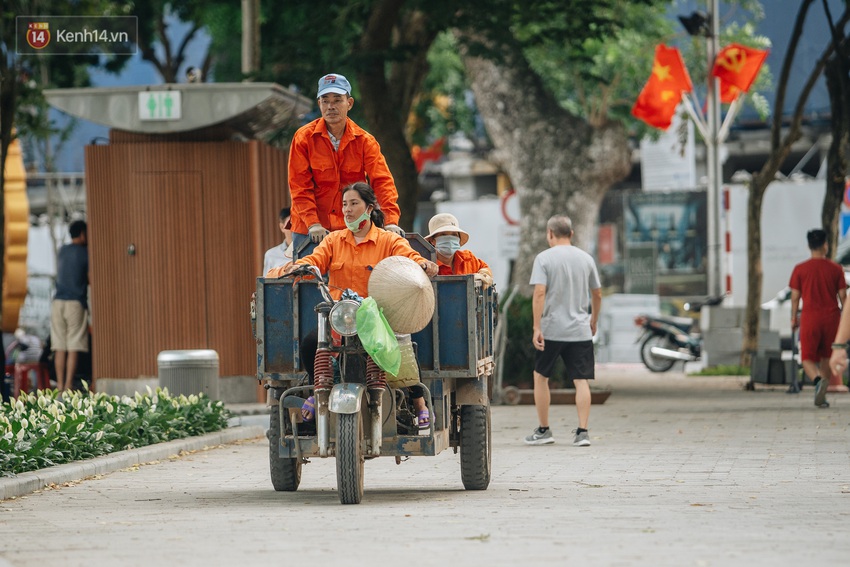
(328, 154)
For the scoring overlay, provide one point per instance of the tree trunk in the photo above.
(839, 149)
(755, 272)
(385, 125)
(386, 103)
(779, 149)
(557, 162)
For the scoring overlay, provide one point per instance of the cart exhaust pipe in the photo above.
(671, 354)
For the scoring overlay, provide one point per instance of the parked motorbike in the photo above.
(667, 340)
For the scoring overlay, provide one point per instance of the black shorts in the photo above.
(577, 357)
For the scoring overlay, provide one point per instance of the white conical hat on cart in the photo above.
(402, 289)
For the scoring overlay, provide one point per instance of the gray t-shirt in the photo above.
(568, 274)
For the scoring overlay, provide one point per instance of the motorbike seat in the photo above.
(683, 323)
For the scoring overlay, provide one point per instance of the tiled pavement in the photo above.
(682, 471)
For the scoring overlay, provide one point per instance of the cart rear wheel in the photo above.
(349, 458)
(285, 472)
(475, 447)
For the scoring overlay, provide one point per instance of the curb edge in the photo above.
(28, 482)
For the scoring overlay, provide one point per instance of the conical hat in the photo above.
(402, 289)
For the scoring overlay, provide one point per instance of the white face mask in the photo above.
(447, 245)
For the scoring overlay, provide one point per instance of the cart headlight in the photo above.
(342, 317)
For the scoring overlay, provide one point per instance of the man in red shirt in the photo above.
(820, 283)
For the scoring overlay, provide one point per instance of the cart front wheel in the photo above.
(349, 458)
(475, 447)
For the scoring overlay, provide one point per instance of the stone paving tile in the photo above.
(682, 471)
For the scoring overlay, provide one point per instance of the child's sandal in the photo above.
(423, 418)
(308, 409)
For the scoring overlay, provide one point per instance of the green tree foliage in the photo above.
(22, 104)
(23, 109)
(443, 106)
(383, 45)
(157, 46)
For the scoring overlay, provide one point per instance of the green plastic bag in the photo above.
(377, 337)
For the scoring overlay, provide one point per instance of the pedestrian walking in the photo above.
(69, 310)
(566, 302)
(820, 283)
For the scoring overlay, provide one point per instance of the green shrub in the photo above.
(44, 429)
(723, 370)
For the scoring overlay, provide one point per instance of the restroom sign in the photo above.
(160, 105)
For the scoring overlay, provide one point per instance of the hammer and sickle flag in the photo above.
(656, 104)
(737, 66)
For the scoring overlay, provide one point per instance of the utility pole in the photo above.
(713, 132)
(714, 167)
(250, 37)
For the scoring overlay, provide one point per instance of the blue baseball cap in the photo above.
(333, 83)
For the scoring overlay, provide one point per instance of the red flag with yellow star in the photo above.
(738, 66)
(659, 98)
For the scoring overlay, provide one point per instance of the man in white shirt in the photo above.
(282, 253)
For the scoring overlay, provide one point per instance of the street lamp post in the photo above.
(714, 169)
(711, 131)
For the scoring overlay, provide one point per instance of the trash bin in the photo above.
(189, 372)
(769, 368)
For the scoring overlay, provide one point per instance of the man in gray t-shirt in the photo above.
(566, 303)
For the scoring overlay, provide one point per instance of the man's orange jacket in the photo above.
(317, 175)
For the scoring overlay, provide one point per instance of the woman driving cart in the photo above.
(357, 414)
(348, 257)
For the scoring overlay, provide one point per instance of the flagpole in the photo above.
(714, 169)
(698, 121)
(698, 111)
(730, 117)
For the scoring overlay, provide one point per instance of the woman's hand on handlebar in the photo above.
(302, 270)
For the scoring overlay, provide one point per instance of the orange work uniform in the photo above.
(317, 175)
(349, 264)
(464, 262)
